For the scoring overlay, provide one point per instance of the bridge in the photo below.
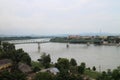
(28, 42)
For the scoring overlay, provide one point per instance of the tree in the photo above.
(26, 58)
(116, 74)
(62, 63)
(104, 76)
(45, 60)
(0, 46)
(19, 56)
(81, 68)
(65, 75)
(94, 68)
(5, 75)
(43, 76)
(6, 50)
(36, 66)
(83, 65)
(9, 52)
(7, 47)
(88, 68)
(73, 62)
(109, 72)
(73, 69)
(0, 42)
(110, 75)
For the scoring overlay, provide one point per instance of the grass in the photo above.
(92, 74)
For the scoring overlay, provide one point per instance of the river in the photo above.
(103, 57)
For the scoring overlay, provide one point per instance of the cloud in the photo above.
(58, 16)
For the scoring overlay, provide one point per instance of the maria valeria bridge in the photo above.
(28, 42)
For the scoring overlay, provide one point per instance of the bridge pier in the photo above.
(67, 45)
(38, 46)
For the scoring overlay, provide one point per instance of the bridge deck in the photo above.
(26, 42)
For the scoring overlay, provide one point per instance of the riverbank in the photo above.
(95, 41)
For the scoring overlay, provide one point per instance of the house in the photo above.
(24, 68)
(73, 37)
(52, 70)
(5, 63)
(79, 37)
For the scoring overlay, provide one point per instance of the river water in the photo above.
(103, 57)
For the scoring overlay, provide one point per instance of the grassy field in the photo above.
(92, 74)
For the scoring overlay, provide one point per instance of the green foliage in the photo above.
(83, 65)
(7, 47)
(73, 62)
(104, 76)
(94, 68)
(5, 75)
(59, 39)
(65, 75)
(36, 66)
(6, 50)
(62, 63)
(26, 58)
(116, 74)
(0, 47)
(109, 72)
(110, 75)
(68, 70)
(0, 42)
(73, 69)
(44, 76)
(45, 60)
(9, 52)
(19, 38)
(92, 74)
(81, 68)
(19, 56)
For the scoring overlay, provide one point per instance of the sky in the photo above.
(51, 17)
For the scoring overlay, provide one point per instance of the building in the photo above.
(79, 37)
(5, 63)
(51, 70)
(24, 68)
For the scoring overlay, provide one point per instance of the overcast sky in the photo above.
(50, 17)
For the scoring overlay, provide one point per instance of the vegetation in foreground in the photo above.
(68, 69)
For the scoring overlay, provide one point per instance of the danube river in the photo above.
(103, 57)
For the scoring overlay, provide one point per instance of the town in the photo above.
(97, 40)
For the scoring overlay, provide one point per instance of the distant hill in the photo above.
(87, 34)
(98, 34)
(62, 35)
